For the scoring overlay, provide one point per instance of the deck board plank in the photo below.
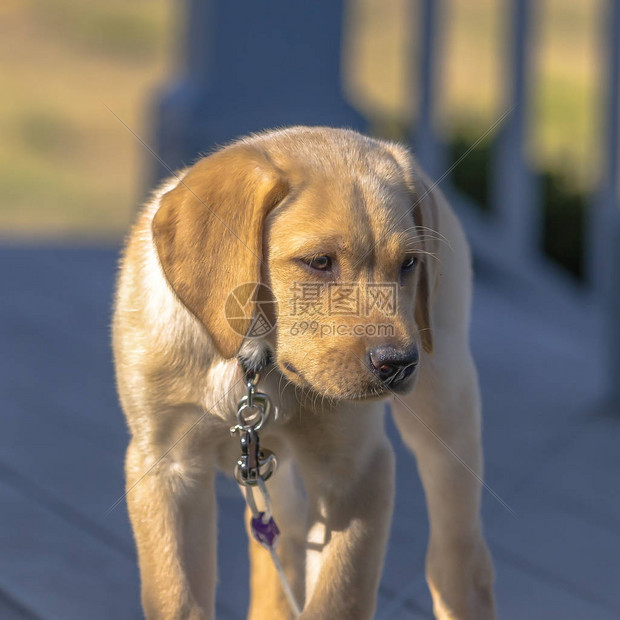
(548, 455)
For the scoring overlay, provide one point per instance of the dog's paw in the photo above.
(460, 578)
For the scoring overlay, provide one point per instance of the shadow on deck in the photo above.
(549, 455)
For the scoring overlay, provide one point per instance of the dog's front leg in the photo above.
(351, 492)
(440, 422)
(174, 523)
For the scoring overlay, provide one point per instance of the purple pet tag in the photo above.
(266, 532)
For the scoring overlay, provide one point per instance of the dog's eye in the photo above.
(320, 263)
(409, 263)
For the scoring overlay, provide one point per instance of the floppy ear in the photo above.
(426, 220)
(208, 235)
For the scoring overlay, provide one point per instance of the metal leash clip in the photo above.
(253, 411)
(254, 463)
(254, 467)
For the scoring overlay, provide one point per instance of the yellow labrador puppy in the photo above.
(367, 284)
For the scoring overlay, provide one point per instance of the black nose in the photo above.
(393, 365)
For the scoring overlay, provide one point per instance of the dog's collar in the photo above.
(251, 367)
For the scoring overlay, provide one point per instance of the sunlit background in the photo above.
(70, 170)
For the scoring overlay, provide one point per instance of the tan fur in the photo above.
(249, 213)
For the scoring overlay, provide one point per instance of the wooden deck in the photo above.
(549, 455)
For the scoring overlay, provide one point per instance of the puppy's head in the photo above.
(336, 227)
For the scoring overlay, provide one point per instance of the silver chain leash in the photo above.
(254, 467)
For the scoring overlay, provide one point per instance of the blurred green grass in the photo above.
(68, 168)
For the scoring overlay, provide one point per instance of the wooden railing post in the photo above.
(250, 65)
(613, 374)
(604, 238)
(427, 147)
(605, 207)
(513, 191)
